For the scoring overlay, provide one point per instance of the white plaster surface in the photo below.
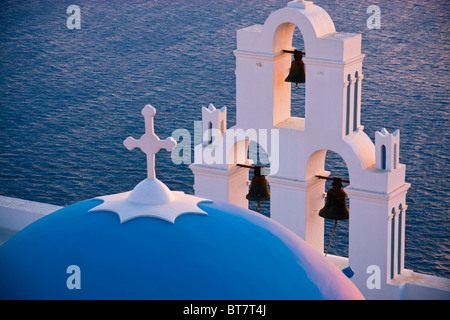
(333, 66)
(15, 214)
(169, 211)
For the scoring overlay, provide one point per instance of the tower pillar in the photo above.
(296, 204)
(214, 182)
(377, 241)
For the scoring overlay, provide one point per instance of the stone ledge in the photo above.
(16, 214)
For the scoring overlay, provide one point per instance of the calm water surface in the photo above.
(68, 98)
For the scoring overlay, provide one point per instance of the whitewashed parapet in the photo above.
(16, 214)
(387, 149)
(214, 123)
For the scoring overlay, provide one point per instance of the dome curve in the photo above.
(231, 253)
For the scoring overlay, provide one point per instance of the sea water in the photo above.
(69, 97)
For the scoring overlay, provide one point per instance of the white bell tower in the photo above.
(377, 190)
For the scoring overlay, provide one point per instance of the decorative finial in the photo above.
(149, 142)
(150, 197)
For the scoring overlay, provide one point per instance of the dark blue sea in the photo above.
(69, 97)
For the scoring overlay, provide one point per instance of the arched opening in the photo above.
(259, 156)
(395, 156)
(337, 167)
(210, 135)
(246, 148)
(319, 230)
(347, 111)
(355, 104)
(400, 240)
(383, 157)
(298, 95)
(289, 102)
(393, 242)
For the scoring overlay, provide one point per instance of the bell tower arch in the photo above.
(333, 83)
(262, 95)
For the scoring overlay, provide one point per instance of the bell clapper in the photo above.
(335, 207)
(332, 234)
(259, 188)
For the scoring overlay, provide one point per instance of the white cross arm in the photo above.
(149, 142)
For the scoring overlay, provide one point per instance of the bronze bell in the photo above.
(336, 204)
(297, 71)
(259, 189)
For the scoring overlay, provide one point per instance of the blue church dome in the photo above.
(228, 253)
(154, 243)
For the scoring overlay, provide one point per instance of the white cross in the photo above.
(149, 142)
